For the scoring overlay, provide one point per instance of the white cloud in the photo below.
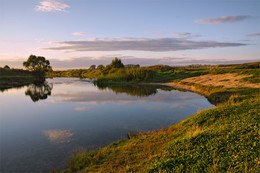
(137, 44)
(222, 19)
(185, 34)
(79, 33)
(50, 6)
(253, 35)
(177, 34)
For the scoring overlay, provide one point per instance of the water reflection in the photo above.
(133, 90)
(39, 91)
(185, 105)
(82, 108)
(120, 94)
(58, 136)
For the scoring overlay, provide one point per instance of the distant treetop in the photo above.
(6, 67)
(117, 63)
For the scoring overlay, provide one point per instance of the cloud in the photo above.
(58, 136)
(245, 40)
(50, 6)
(157, 32)
(253, 35)
(82, 108)
(176, 34)
(137, 44)
(185, 34)
(79, 33)
(222, 19)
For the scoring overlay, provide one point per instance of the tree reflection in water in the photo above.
(39, 91)
(134, 90)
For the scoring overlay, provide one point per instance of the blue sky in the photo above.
(79, 33)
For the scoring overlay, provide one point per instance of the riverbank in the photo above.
(10, 78)
(220, 139)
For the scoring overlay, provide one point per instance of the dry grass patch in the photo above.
(228, 80)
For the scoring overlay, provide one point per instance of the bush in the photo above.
(126, 75)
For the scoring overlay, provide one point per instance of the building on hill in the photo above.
(132, 65)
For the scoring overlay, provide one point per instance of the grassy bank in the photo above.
(160, 73)
(17, 77)
(220, 139)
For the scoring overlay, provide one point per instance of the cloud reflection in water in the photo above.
(58, 136)
(82, 108)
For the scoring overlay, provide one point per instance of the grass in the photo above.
(160, 73)
(220, 139)
(224, 140)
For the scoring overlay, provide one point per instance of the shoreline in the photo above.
(185, 87)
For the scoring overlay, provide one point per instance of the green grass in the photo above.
(160, 73)
(223, 139)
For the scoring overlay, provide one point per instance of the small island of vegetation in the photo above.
(36, 67)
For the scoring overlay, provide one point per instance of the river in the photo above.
(42, 126)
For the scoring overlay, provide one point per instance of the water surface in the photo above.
(42, 125)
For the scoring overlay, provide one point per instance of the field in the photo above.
(228, 80)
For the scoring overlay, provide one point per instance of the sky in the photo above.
(79, 33)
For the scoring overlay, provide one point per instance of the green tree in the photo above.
(116, 63)
(37, 64)
(100, 67)
(6, 67)
(92, 67)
